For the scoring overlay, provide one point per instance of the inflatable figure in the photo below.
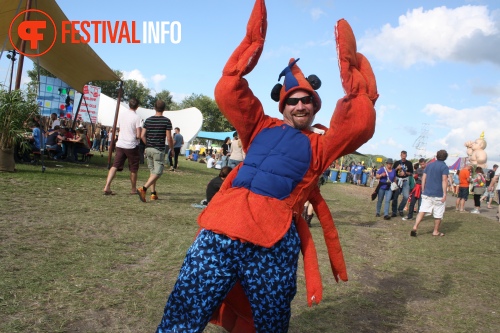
(241, 271)
(476, 153)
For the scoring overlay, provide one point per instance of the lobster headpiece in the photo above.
(295, 80)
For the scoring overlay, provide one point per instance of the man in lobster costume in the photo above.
(241, 270)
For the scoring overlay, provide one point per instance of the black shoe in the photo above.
(387, 217)
(377, 215)
(394, 215)
(413, 233)
(401, 214)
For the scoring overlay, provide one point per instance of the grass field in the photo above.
(73, 260)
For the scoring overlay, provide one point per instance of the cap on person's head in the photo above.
(389, 161)
(295, 80)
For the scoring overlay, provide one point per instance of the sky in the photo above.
(437, 63)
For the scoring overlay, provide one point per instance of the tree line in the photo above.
(213, 120)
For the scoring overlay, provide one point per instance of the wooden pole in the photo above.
(113, 132)
(23, 49)
(77, 110)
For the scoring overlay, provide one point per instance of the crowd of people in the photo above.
(424, 186)
(229, 154)
(58, 138)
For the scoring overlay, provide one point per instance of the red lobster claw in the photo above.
(247, 54)
(355, 70)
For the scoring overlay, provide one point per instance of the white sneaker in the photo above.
(475, 211)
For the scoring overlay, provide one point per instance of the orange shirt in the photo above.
(464, 178)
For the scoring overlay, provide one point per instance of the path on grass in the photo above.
(469, 205)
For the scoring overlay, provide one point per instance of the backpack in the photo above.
(411, 182)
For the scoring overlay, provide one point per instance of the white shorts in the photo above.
(433, 205)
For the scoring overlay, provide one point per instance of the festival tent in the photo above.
(74, 63)
(188, 120)
(431, 160)
(456, 166)
(215, 135)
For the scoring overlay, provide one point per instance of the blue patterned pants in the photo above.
(212, 266)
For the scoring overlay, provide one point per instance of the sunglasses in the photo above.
(295, 101)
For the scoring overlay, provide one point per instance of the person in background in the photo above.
(434, 186)
(104, 139)
(215, 184)
(373, 175)
(359, 172)
(127, 146)
(463, 189)
(96, 143)
(81, 145)
(237, 154)
(416, 193)
(225, 150)
(488, 195)
(156, 130)
(404, 169)
(178, 142)
(495, 182)
(55, 121)
(35, 139)
(211, 161)
(479, 187)
(385, 176)
(54, 139)
(456, 182)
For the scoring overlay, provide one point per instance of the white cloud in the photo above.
(157, 78)
(468, 33)
(135, 74)
(316, 13)
(453, 127)
(179, 97)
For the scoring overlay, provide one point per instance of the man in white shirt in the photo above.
(55, 121)
(211, 161)
(127, 146)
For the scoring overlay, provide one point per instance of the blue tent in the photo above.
(215, 135)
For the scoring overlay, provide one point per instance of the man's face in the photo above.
(403, 156)
(423, 164)
(299, 116)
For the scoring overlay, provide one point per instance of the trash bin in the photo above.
(188, 152)
(364, 178)
(333, 175)
(343, 176)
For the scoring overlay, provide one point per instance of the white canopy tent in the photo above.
(188, 120)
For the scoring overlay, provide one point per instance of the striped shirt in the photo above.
(156, 127)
